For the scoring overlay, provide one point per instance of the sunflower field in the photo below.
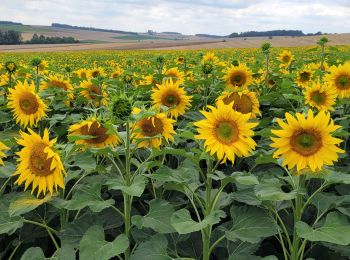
(239, 154)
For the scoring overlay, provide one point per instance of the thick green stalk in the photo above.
(207, 231)
(297, 217)
(127, 198)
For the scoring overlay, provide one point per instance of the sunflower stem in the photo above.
(127, 198)
(208, 208)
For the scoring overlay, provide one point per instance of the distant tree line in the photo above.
(67, 26)
(272, 33)
(13, 37)
(209, 35)
(10, 37)
(41, 39)
(9, 23)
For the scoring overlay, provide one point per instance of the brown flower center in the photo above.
(28, 103)
(306, 142)
(318, 97)
(286, 58)
(241, 103)
(58, 84)
(238, 78)
(39, 164)
(227, 132)
(94, 91)
(151, 127)
(305, 76)
(343, 82)
(95, 130)
(170, 99)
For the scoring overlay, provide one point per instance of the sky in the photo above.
(219, 17)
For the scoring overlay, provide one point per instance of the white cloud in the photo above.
(197, 16)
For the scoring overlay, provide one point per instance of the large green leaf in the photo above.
(158, 217)
(85, 161)
(25, 202)
(336, 230)
(94, 247)
(153, 249)
(271, 190)
(86, 195)
(135, 189)
(8, 224)
(250, 224)
(181, 220)
(33, 253)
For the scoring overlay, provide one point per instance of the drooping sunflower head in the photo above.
(175, 74)
(304, 77)
(94, 92)
(154, 129)
(58, 82)
(39, 163)
(26, 105)
(227, 133)
(238, 76)
(322, 97)
(244, 101)
(306, 142)
(286, 57)
(339, 78)
(3, 148)
(97, 135)
(173, 96)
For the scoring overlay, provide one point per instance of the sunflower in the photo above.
(210, 57)
(148, 80)
(3, 148)
(339, 78)
(173, 96)
(244, 101)
(286, 58)
(82, 73)
(117, 73)
(306, 142)
(95, 93)
(180, 60)
(322, 97)
(175, 74)
(97, 72)
(42, 68)
(153, 128)
(55, 81)
(100, 137)
(27, 106)
(39, 164)
(238, 76)
(226, 132)
(304, 77)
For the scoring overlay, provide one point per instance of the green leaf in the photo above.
(85, 161)
(182, 222)
(8, 225)
(336, 230)
(7, 170)
(65, 252)
(135, 189)
(271, 190)
(158, 217)
(24, 203)
(153, 249)
(87, 195)
(250, 224)
(94, 247)
(33, 253)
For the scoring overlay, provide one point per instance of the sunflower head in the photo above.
(227, 133)
(10, 67)
(207, 68)
(97, 135)
(304, 77)
(286, 57)
(97, 72)
(322, 97)
(175, 74)
(173, 96)
(26, 105)
(39, 163)
(244, 101)
(339, 78)
(153, 129)
(306, 142)
(120, 107)
(238, 76)
(94, 92)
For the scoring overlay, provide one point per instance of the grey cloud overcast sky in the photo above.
(220, 17)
